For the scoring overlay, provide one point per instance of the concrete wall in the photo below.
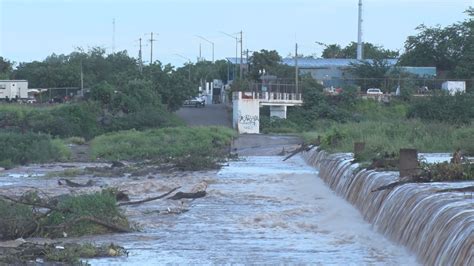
(246, 116)
(278, 111)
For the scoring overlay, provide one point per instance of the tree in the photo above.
(450, 48)
(6, 68)
(270, 61)
(371, 51)
(370, 73)
(333, 51)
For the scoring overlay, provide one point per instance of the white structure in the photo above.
(13, 89)
(453, 87)
(246, 108)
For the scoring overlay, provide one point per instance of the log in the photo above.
(192, 195)
(293, 153)
(74, 184)
(148, 199)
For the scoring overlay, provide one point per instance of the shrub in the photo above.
(458, 109)
(16, 220)
(100, 205)
(16, 148)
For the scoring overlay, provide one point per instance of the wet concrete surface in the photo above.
(259, 210)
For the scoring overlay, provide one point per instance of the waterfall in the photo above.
(437, 227)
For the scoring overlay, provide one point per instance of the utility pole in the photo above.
(236, 50)
(151, 40)
(241, 52)
(82, 80)
(296, 68)
(113, 35)
(200, 55)
(360, 49)
(140, 61)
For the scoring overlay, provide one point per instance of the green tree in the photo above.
(371, 51)
(370, 73)
(270, 61)
(6, 68)
(333, 51)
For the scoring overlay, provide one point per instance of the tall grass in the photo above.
(391, 136)
(161, 144)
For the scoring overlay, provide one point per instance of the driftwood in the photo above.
(461, 189)
(113, 227)
(148, 199)
(303, 147)
(198, 191)
(192, 195)
(34, 204)
(70, 183)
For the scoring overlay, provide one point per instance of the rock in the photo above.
(116, 164)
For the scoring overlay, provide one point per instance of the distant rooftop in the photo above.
(328, 62)
(234, 60)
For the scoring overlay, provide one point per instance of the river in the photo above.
(259, 210)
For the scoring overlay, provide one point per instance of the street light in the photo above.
(236, 49)
(189, 64)
(212, 43)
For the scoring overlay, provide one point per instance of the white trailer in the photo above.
(453, 87)
(13, 90)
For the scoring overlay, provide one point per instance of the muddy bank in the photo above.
(438, 227)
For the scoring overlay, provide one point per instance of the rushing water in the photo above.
(438, 227)
(260, 210)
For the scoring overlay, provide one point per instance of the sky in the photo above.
(33, 29)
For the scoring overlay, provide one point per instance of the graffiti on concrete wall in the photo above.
(248, 121)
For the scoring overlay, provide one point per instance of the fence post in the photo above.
(408, 162)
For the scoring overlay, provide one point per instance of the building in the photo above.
(335, 71)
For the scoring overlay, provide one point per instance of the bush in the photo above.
(16, 220)
(100, 205)
(16, 148)
(165, 144)
(456, 109)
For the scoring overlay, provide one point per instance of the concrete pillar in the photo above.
(278, 111)
(246, 115)
(408, 162)
(359, 147)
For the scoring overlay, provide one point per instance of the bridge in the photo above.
(246, 104)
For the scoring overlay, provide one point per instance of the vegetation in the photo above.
(182, 145)
(68, 215)
(17, 148)
(350, 51)
(381, 137)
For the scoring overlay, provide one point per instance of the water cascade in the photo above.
(437, 227)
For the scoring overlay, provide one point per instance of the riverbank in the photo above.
(258, 209)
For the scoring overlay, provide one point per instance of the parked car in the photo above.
(196, 102)
(374, 91)
(31, 100)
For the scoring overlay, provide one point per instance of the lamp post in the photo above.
(212, 43)
(189, 64)
(236, 49)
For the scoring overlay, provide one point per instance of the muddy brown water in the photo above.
(259, 210)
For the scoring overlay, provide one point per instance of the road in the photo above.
(210, 115)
